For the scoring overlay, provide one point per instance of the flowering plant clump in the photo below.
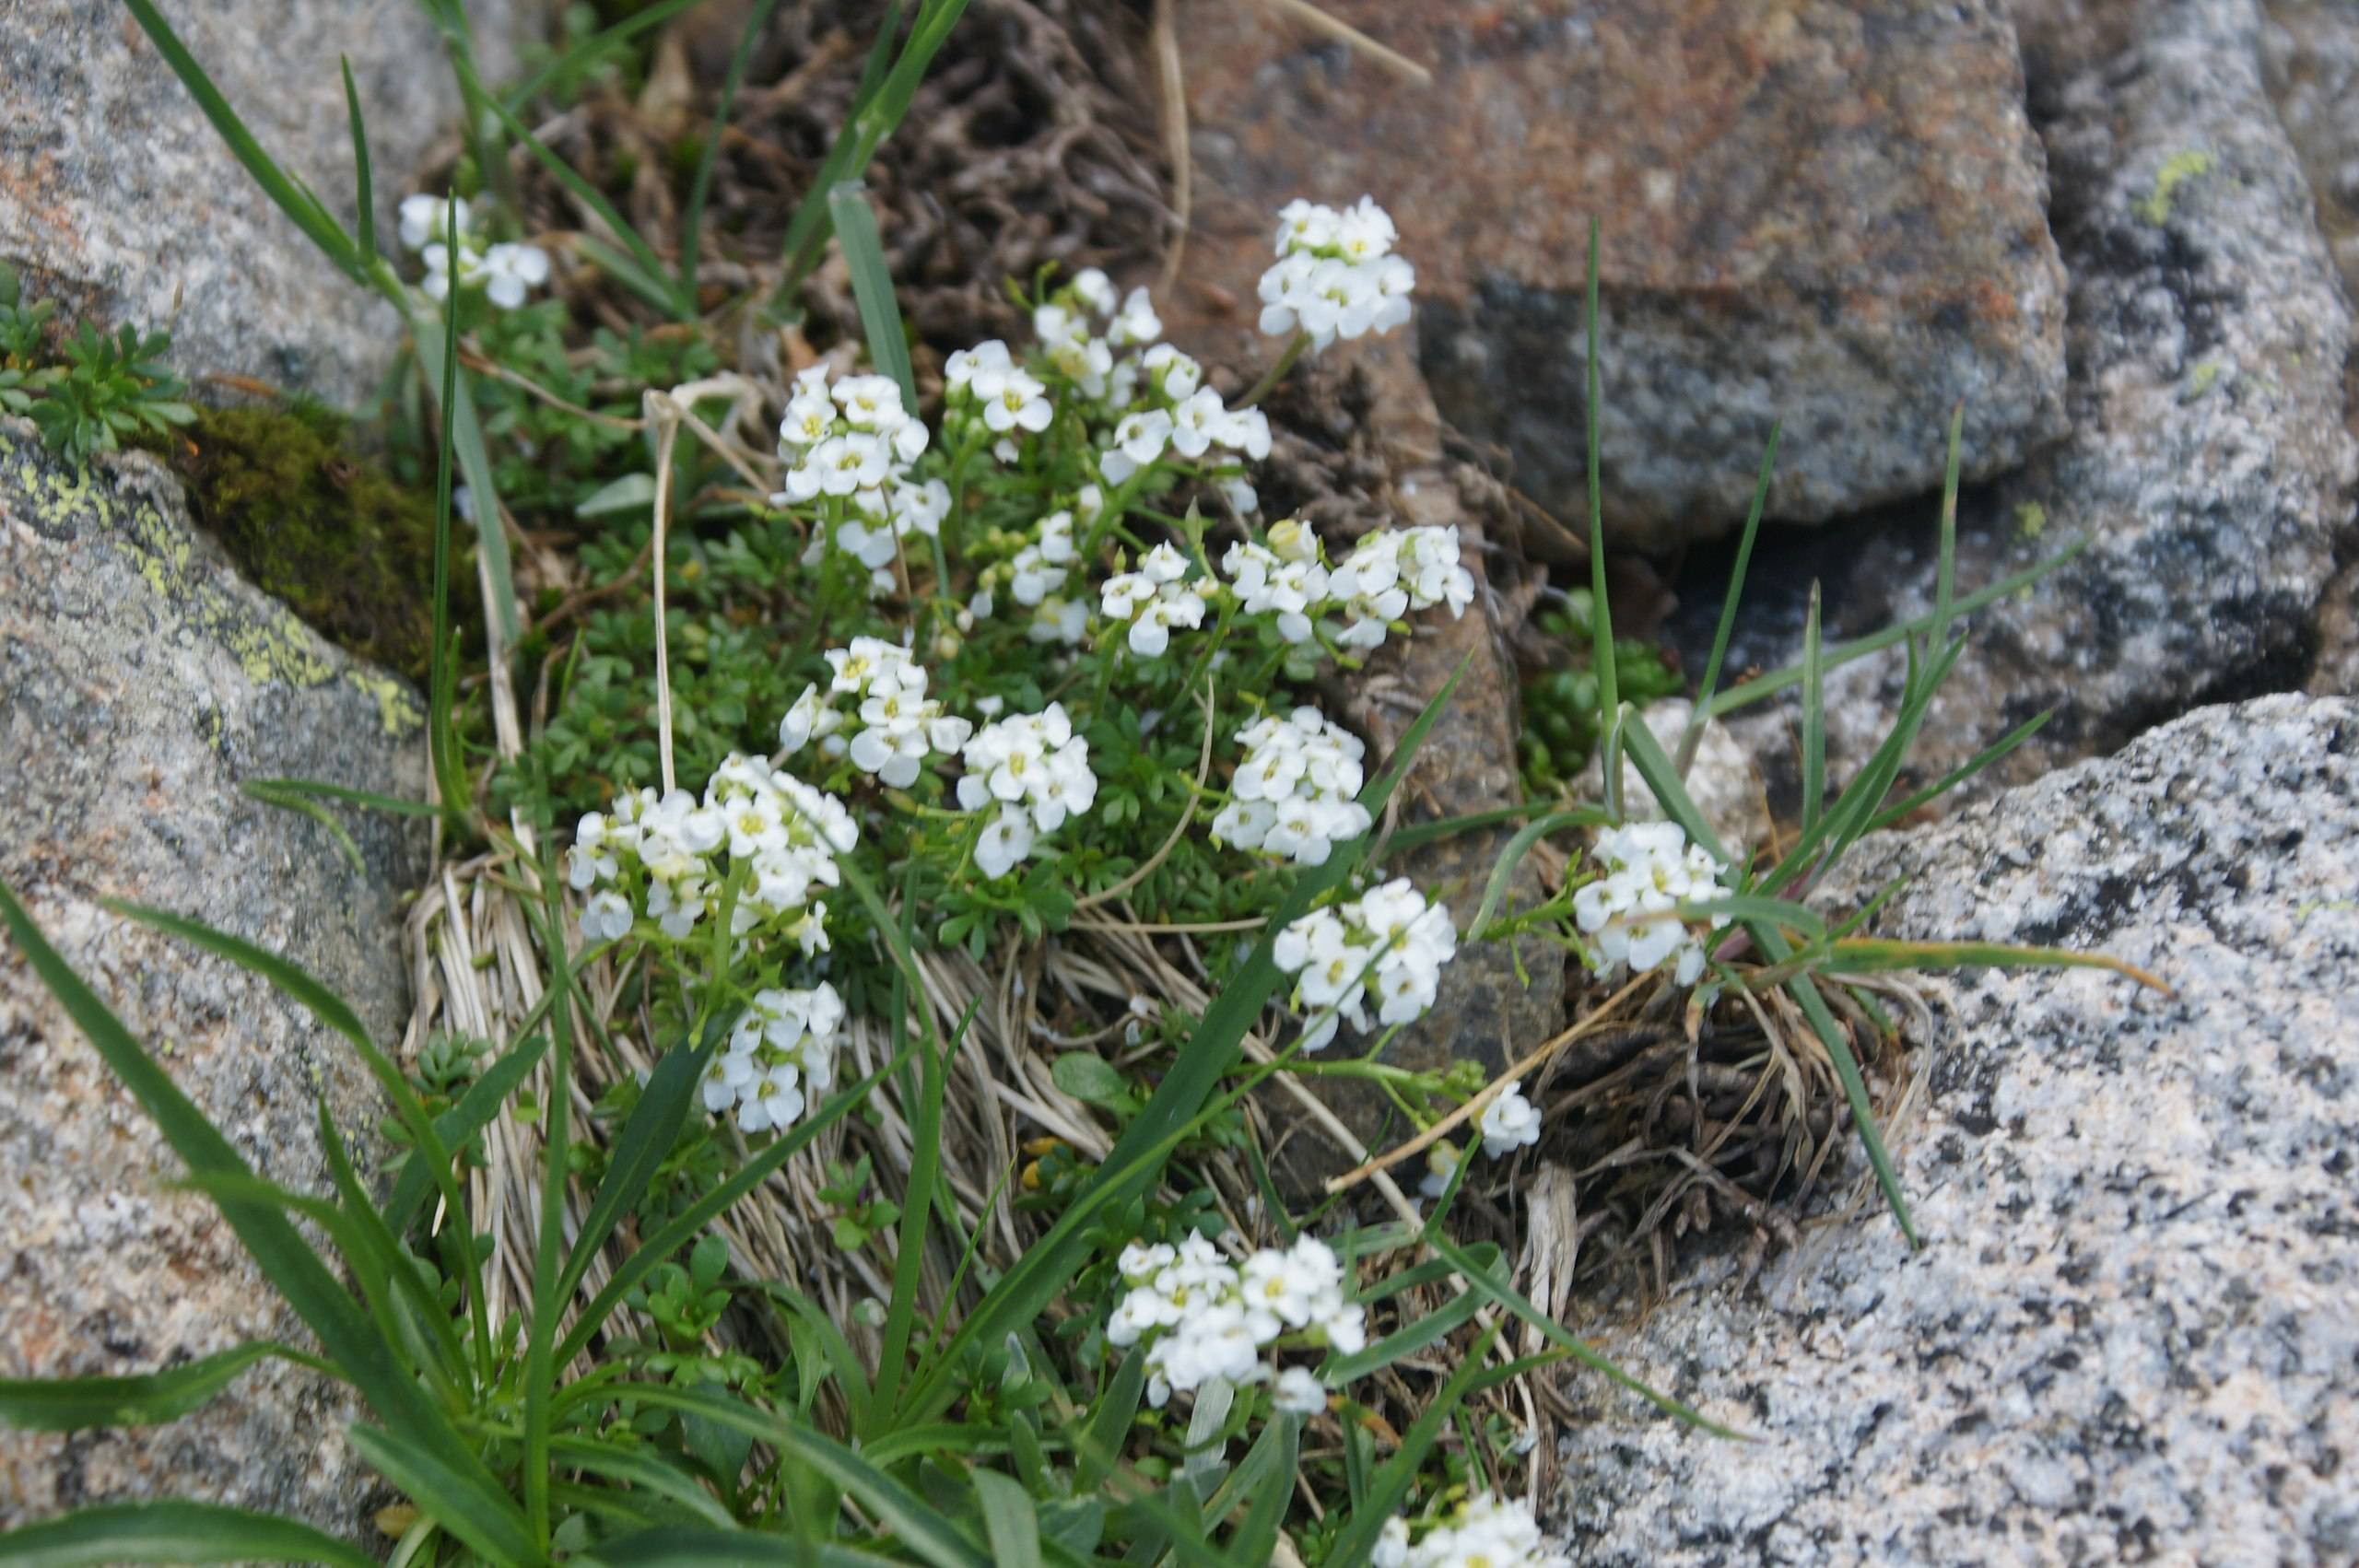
(1485, 1532)
(1203, 1316)
(1389, 939)
(1631, 911)
(1335, 276)
(506, 271)
(996, 936)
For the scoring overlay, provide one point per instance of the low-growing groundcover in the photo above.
(915, 869)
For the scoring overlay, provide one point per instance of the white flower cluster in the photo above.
(1037, 770)
(506, 271)
(1213, 1318)
(1293, 795)
(1172, 410)
(1154, 598)
(1389, 572)
(892, 727)
(1388, 937)
(664, 858)
(1651, 869)
(1392, 571)
(1488, 1532)
(1335, 276)
(1509, 1122)
(1083, 325)
(780, 1056)
(852, 444)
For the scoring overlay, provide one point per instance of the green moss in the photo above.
(2031, 520)
(319, 527)
(2154, 207)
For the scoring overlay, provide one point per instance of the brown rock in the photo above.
(1828, 214)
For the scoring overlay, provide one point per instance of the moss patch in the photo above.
(319, 527)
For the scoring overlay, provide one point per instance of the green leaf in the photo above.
(632, 492)
(293, 198)
(1609, 694)
(146, 1399)
(313, 787)
(564, 65)
(365, 228)
(1390, 1484)
(429, 1477)
(872, 286)
(1814, 719)
(1089, 1079)
(640, 1148)
(1109, 1421)
(916, 1527)
(1256, 1537)
(312, 809)
(1009, 1521)
(172, 1532)
(675, 1546)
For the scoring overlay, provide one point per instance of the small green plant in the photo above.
(110, 388)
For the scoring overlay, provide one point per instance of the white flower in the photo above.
(1442, 1164)
(425, 219)
(511, 270)
(1299, 1392)
(1335, 274)
(606, 917)
(1648, 869)
(892, 726)
(1139, 439)
(1020, 403)
(1006, 842)
(1391, 1549)
(855, 441)
(1509, 1122)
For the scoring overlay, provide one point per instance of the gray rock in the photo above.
(1831, 214)
(2128, 1339)
(2208, 473)
(141, 683)
(2311, 49)
(118, 198)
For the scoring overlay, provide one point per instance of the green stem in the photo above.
(1276, 372)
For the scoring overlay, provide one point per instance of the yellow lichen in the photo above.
(2154, 207)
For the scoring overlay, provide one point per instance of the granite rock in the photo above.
(1828, 214)
(118, 198)
(141, 683)
(2127, 1338)
(2209, 474)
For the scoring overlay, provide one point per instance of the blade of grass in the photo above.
(582, 191)
(692, 221)
(1867, 956)
(1959, 775)
(145, 1398)
(519, 97)
(915, 1525)
(364, 228)
(314, 789)
(1694, 735)
(863, 131)
(872, 286)
(1601, 630)
(172, 1532)
(293, 198)
(1503, 872)
(312, 809)
(1770, 685)
(444, 759)
(427, 1478)
(456, 1126)
(556, 1276)
(1813, 719)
